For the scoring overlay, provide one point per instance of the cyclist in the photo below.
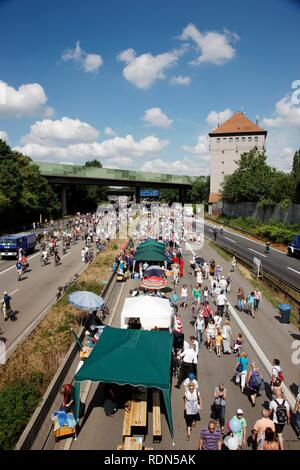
(19, 269)
(44, 257)
(5, 305)
(56, 257)
(24, 263)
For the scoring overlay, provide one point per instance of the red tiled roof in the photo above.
(237, 124)
(214, 197)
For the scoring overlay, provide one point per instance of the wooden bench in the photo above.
(137, 416)
(127, 421)
(156, 416)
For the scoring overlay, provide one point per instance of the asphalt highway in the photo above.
(278, 263)
(35, 292)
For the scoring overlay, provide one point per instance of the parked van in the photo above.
(10, 244)
(294, 246)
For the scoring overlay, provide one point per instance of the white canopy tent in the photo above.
(151, 311)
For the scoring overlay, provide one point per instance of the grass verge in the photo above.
(28, 372)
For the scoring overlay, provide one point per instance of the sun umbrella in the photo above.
(86, 300)
(154, 282)
(156, 271)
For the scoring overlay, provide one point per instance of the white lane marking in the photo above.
(246, 238)
(191, 249)
(14, 291)
(66, 255)
(293, 270)
(263, 358)
(86, 391)
(260, 254)
(230, 239)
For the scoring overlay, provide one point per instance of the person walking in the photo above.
(259, 428)
(218, 342)
(199, 327)
(226, 336)
(210, 335)
(196, 292)
(257, 299)
(250, 304)
(241, 370)
(192, 406)
(233, 264)
(229, 281)
(240, 299)
(189, 358)
(281, 415)
(270, 441)
(220, 302)
(207, 312)
(220, 395)
(242, 434)
(210, 437)
(183, 296)
(175, 273)
(254, 382)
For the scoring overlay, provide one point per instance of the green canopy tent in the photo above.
(128, 357)
(150, 253)
(153, 243)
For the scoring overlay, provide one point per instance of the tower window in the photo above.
(230, 139)
(222, 163)
(249, 139)
(256, 138)
(218, 139)
(224, 138)
(222, 172)
(222, 151)
(237, 139)
(243, 139)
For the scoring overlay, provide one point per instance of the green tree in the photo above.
(296, 176)
(24, 193)
(200, 190)
(169, 196)
(254, 180)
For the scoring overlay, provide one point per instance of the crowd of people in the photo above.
(207, 301)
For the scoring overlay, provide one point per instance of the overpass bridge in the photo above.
(65, 174)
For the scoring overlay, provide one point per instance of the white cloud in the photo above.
(118, 147)
(221, 116)
(287, 113)
(180, 80)
(201, 148)
(145, 69)
(27, 100)
(119, 162)
(185, 166)
(214, 47)
(155, 117)
(90, 63)
(109, 131)
(64, 130)
(4, 136)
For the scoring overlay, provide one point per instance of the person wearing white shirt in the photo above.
(279, 402)
(218, 321)
(190, 380)
(223, 284)
(189, 358)
(221, 299)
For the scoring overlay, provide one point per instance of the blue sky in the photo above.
(139, 84)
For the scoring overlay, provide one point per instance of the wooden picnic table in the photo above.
(139, 409)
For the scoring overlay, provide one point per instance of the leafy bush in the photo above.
(17, 403)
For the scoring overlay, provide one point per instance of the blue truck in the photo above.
(10, 244)
(294, 246)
